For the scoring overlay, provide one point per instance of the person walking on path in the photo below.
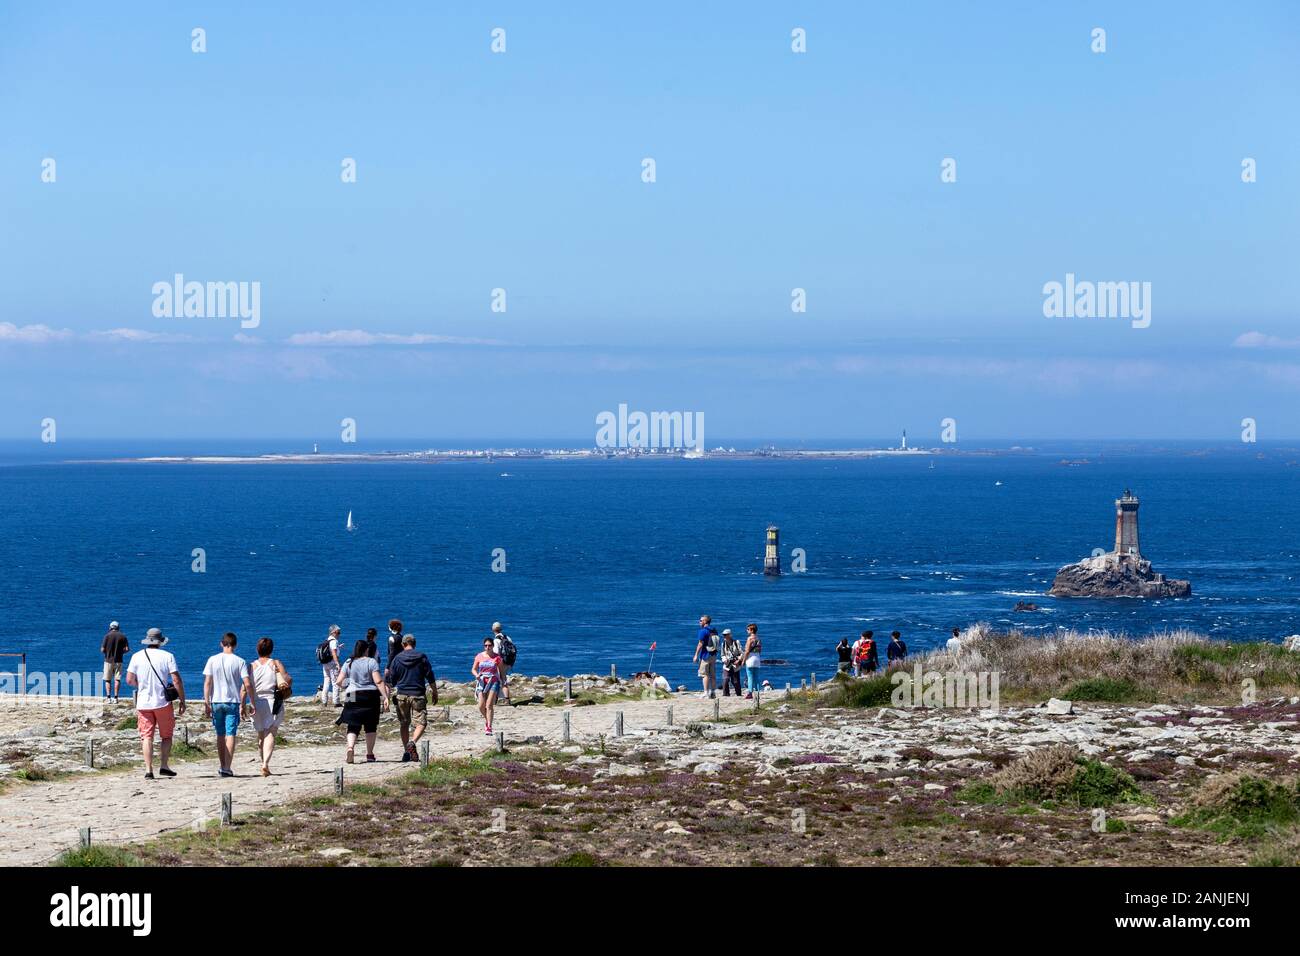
(226, 689)
(407, 675)
(271, 685)
(752, 659)
(731, 654)
(505, 649)
(366, 695)
(114, 648)
(897, 650)
(706, 653)
(328, 655)
(394, 641)
(153, 698)
(486, 671)
(372, 648)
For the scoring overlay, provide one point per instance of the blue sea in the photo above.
(604, 558)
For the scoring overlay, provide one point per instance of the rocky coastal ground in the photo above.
(1206, 774)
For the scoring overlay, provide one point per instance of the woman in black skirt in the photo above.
(365, 695)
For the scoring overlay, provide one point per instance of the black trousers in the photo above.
(730, 678)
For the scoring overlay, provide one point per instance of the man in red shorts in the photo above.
(153, 672)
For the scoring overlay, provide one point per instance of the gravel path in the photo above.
(41, 820)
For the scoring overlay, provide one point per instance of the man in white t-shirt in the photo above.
(151, 671)
(226, 687)
(955, 642)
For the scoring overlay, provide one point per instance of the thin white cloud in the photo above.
(142, 335)
(32, 334)
(353, 338)
(1258, 340)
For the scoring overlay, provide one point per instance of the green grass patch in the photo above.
(439, 773)
(127, 723)
(1245, 808)
(96, 856)
(1096, 784)
(1102, 689)
(862, 692)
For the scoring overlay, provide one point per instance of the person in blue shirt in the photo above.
(407, 674)
(897, 650)
(706, 654)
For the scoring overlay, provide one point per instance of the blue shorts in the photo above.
(225, 719)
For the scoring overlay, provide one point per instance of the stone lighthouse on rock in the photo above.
(1119, 573)
(1126, 524)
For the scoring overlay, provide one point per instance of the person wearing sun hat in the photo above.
(148, 673)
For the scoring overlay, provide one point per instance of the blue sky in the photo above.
(775, 170)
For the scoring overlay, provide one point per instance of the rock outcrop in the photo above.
(1116, 575)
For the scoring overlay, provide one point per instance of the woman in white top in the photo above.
(752, 659)
(268, 675)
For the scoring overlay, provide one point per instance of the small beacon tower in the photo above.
(772, 554)
(1126, 525)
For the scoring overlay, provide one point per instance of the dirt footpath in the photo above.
(41, 820)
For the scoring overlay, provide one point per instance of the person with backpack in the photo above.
(864, 654)
(327, 655)
(505, 649)
(731, 652)
(706, 655)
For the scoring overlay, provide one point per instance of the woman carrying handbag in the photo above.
(272, 685)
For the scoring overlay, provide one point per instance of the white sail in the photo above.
(351, 526)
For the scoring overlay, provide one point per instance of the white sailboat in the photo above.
(351, 526)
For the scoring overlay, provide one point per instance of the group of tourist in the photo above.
(736, 656)
(862, 656)
(859, 658)
(235, 691)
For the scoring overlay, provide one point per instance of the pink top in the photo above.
(487, 666)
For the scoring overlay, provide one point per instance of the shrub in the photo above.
(1242, 805)
(1060, 773)
(97, 856)
(864, 692)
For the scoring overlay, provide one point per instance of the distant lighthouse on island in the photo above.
(1119, 573)
(772, 553)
